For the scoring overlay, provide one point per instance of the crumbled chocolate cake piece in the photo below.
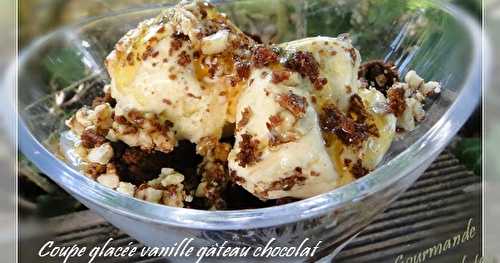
(305, 64)
(235, 178)
(319, 83)
(293, 103)
(279, 76)
(379, 74)
(246, 114)
(333, 121)
(243, 70)
(177, 42)
(358, 171)
(134, 156)
(249, 151)
(263, 56)
(287, 183)
(180, 36)
(138, 166)
(91, 138)
(397, 104)
(357, 109)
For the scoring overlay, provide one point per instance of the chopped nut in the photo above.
(126, 188)
(143, 130)
(153, 195)
(166, 189)
(215, 43)
(109, 180)
(414, 80)
(430, 88)
(101, 154)
(170, 177)
(213, 171)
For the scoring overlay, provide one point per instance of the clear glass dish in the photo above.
(437, 40)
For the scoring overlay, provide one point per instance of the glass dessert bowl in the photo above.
(437, 41)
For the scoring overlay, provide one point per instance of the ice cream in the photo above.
(290, 120)
(279, 151)
(315, 148)
(182, 66)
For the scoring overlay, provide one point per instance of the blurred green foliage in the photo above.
(468, 151)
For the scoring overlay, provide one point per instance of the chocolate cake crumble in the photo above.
(379, 74)
(397, 104)
(249, 151)
(305, 64)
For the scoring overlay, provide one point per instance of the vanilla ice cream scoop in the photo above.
(179, 66)
(339, 63)
(343, 132)
(279, 151)
(357, 147)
